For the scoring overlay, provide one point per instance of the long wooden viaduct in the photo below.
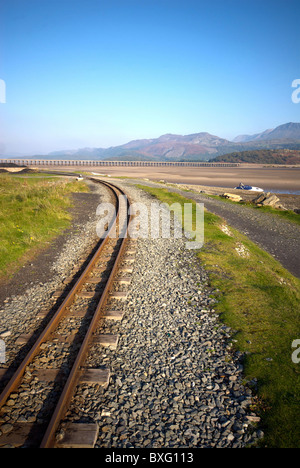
(71, 163)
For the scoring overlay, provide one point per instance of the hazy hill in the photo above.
(257, 136)
(289, 131)
(176, 147)
(198, 146)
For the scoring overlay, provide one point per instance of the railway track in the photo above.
(55, 365)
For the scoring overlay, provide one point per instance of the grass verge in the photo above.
(32, 211)
(260, 300)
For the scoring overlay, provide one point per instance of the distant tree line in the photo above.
(261, 157)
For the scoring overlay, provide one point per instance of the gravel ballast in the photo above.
(175, 381)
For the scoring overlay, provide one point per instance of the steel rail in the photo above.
(74, 376)
(14, 381)
(77, 369)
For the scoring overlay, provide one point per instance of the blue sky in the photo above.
(98, 73)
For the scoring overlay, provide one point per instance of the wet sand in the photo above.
(274, 179)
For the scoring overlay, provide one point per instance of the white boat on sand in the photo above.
(241, 186)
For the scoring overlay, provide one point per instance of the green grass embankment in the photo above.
(33, 210)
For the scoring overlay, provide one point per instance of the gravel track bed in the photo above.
(175, 381)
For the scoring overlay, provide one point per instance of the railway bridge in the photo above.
(97, 163)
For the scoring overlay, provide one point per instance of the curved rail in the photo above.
(74, 375)
(76, 370)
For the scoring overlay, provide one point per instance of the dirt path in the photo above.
(275, 235)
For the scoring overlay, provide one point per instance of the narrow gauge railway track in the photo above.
(90, 295)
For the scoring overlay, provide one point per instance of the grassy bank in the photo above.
(261, 301)
(32, 211)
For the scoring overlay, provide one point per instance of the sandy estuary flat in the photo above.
(278, 179)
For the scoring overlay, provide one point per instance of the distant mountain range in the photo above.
(197, 147)
(169, 147)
